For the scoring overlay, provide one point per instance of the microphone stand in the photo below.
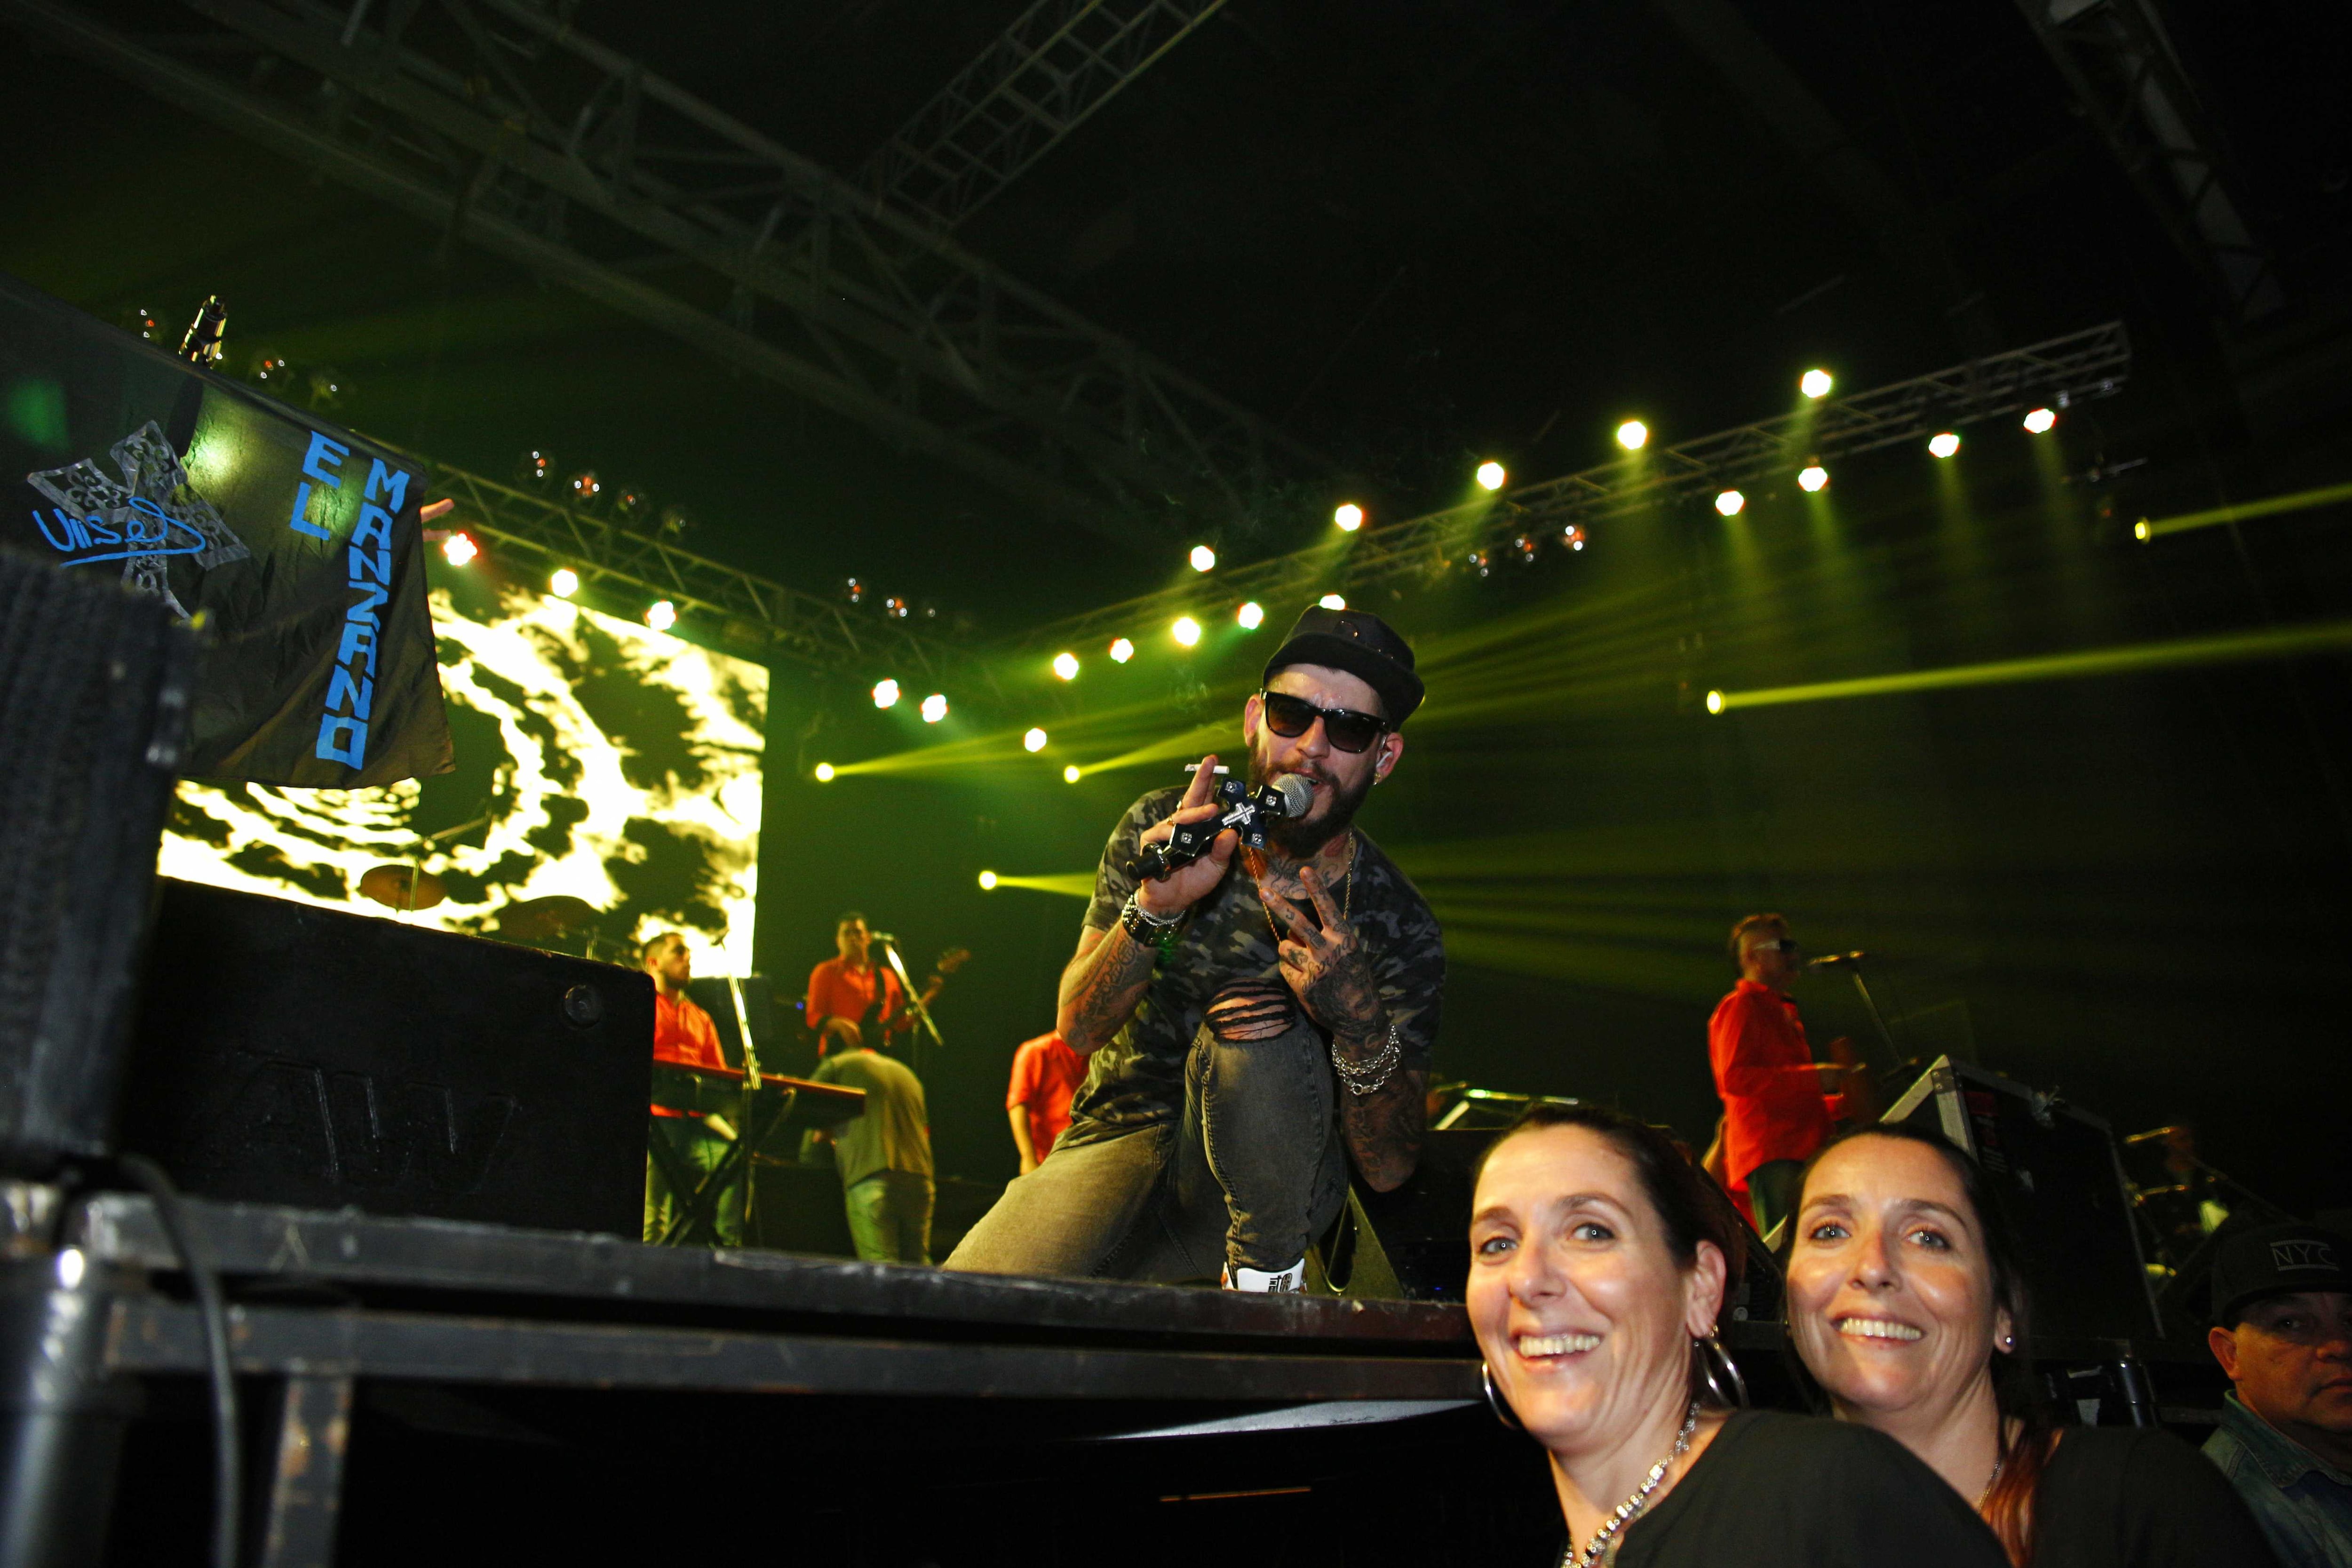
(915, 1008)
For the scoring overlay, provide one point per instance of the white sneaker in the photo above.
(1290, 1281)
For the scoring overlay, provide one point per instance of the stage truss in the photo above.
(2080, 366)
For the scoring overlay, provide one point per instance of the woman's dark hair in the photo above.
(2008, 1506)
(1690, 1208)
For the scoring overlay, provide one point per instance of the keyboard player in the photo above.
(684, 1034)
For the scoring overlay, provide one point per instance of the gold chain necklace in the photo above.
(1257, 874)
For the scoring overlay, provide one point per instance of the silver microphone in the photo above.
(1835, 959)
(1297, 795)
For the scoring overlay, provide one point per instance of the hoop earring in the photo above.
(1710, 1350)
(1495, 1401)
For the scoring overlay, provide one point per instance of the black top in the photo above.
(1137, 1078)
(1795, 1492)
(2124, 1496)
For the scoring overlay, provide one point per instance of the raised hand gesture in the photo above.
(1188, 885)
(1326, 967)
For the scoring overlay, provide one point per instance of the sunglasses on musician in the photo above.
(1346, 730)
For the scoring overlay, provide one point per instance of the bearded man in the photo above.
(1255, 1020)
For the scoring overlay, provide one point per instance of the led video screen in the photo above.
(607, 786)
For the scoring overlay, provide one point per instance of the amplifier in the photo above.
(2054, 1171)
(288, 1054)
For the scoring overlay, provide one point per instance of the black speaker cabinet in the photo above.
(288, 1054)
(2053, 1170)
(95, 689)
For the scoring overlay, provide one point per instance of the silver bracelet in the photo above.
(1369, 1077)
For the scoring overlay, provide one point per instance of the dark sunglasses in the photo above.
(1346, 730)
(1787, 944)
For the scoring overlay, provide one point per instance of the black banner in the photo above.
(293, 545)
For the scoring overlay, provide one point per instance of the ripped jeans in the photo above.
(1249, 1174)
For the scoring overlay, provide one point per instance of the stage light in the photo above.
(586, 487)
(935, 708)
(1070, 774)
(2140, 531)
(1815, 383)
(1349, 518)
(987, 881)
(1332, 602)
(1715, 701)
(1186, 630)
(823, 772)
(458, 549)
(563, 582)
(1491, 475)
(1252, 616)
(1203, 559)
(1573, 537)
(1033, 740)
(1632, 435)
(1066, 664)
(2041, 421)
(661, 615)
(1730, 503)
(1121, 650)
(1812, 477)
(886, 694)
(1944, 444)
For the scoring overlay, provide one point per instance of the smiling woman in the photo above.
(1906, 1302)
(1599, 1260)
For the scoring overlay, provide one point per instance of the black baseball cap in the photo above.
(1361, 644)
(2276, 1260)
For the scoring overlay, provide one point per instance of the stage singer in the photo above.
(1254, 1020)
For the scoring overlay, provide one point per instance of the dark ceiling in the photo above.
(1415, 235)
(1412, 234)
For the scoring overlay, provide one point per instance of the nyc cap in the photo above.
(2278, 1260)
(1361, 644)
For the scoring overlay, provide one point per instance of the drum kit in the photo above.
(556, 923)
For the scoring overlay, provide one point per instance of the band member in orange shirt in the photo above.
(684, 1034)
(851, 994)
(1045, 1074)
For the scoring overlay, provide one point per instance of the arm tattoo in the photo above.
(1383, 1129)
(1101, 989)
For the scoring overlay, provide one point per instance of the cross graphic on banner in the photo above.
(142, 520)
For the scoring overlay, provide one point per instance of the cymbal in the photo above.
(543, 920)
(389, 885)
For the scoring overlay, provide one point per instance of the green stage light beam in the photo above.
(1223, 736)
(1124, 723)
(2147, 529)
(1069, 884)
(2284, 642)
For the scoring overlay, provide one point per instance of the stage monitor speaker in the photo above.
(1412, 1244)
(95, 688)
(288, 1054)
(2054, 1171)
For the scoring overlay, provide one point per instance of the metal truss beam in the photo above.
(1057, 64)
(516, 132)
(2118, 60)
(753, 616)
(2083, 365)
